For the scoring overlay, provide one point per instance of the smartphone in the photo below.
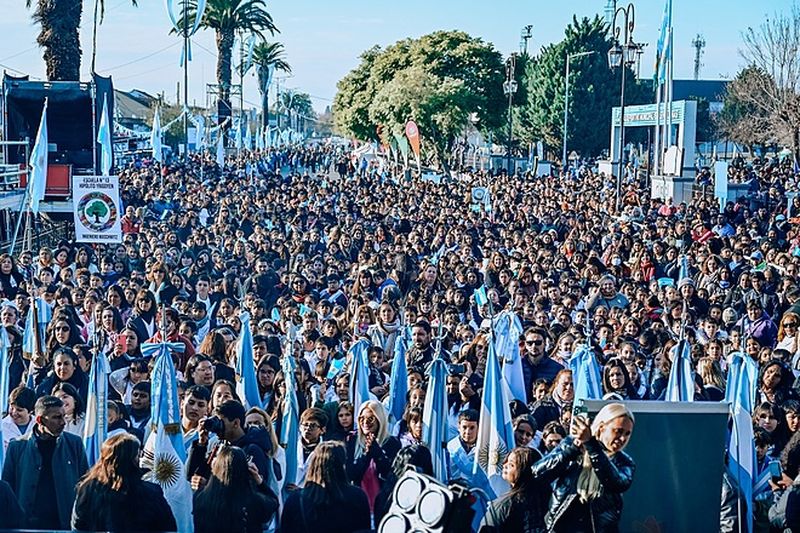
(775, 471)
(579, 409)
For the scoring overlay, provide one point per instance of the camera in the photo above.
(213, 424)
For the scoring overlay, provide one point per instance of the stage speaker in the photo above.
(422, 504)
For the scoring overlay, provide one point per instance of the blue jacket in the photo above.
(23, 464)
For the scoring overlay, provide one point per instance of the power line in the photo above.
(143, 73)
(20, 53)
(143, 57)
(12, 69)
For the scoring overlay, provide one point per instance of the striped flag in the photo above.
(104, 140)
(44, 313)
(4, 383)
(435, 425)
(398, 384)
(507, 331)
(38, 164)
(221, 150)
(155, 138)
(586, 375)
(164, 448)
(359, 373)
(290, 421)
(680, 386)
(495, 434)
(740, 393)
(246, 381)
(96, 428)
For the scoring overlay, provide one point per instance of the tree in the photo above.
(59, 22)
(98, 210)
(773, 50)
(741, 121)
(437, 80)
(226, 17)
(594, 90)
(268, 58)
(299, 105)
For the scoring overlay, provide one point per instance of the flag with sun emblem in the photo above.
(495, 434)
(164, 446)
(246, 381)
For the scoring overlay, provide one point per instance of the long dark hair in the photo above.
(227, 493)
(524, 486)
(326, 479)
(118, 466)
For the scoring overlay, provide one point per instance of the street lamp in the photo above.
(570, 57)
(509, 88)
(623, 54)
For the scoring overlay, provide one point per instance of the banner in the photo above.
(96, 208)
(413, 136)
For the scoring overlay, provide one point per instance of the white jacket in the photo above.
(11, 431)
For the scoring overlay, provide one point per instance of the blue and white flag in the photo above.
(166, 437)
(246, 380)
(290, 421)
(435, 424)
(44, 313)
(480, 296)
(507, 332)
(683, 271)
(663, 35)
(398, 382)
(221, 150)
(586, 375)
(104, 140)
(248, 139)
(155, 137)
(680, 386)
(38, 164)
(95, 429)
(666, 58)
(260, 140)
(4, 382)
(495, 433)
(740, 392)
(238, 135)
(359, 373)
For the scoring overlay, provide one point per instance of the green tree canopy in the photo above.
(437, 80)
(594, 90)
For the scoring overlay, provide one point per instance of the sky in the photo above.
(323, 39)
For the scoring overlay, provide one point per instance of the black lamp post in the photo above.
(509, 88)
(623, 54)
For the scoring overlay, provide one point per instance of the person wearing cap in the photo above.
(696, 305)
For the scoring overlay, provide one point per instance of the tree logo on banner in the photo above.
(97, 211)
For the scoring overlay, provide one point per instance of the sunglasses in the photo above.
(62, 328)
(534, 343)
(790, 324)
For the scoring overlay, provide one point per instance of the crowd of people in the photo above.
(337, 250)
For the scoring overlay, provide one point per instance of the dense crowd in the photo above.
(333, 249)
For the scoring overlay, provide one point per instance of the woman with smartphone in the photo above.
(589, 472)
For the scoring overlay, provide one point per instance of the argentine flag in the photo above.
(359, 374)
(398, 386)
(246, 383)
(507, 331)
(4, 383)
(38, 163)
(164, 446)
(495, 434)
(740, 393)
(585, 374)
(435, 417)
(96, 427)
(104, 139)
(290, 422)
(680, 386)
(44, 313)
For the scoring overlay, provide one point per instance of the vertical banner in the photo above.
(721, 183)
(412, 132)
(97, 209)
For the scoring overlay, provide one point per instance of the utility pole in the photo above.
(525, 35)
(699, 43)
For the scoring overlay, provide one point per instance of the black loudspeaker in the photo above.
(422, 504)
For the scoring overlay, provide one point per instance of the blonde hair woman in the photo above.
(589, 472)
(371, 450)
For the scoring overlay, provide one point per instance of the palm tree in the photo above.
(268, 57)
(59, 22)
(226, 17)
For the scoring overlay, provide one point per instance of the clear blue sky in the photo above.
(323, 38)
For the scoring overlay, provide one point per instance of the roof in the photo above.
(711, 90)
(135, 104)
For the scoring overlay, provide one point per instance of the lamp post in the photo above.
(509, 88)
(623, 55)
(570, 57)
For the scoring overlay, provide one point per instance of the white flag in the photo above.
(104, 139)
(38, 163)
(221, 149)
(155, 137)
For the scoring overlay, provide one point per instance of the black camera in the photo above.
(213, 424)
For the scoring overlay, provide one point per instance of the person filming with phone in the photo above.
(589, 472)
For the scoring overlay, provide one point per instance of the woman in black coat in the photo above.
(370, 450)
(589, 472)
(522, 510)
(113, 497)
(327, 502)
